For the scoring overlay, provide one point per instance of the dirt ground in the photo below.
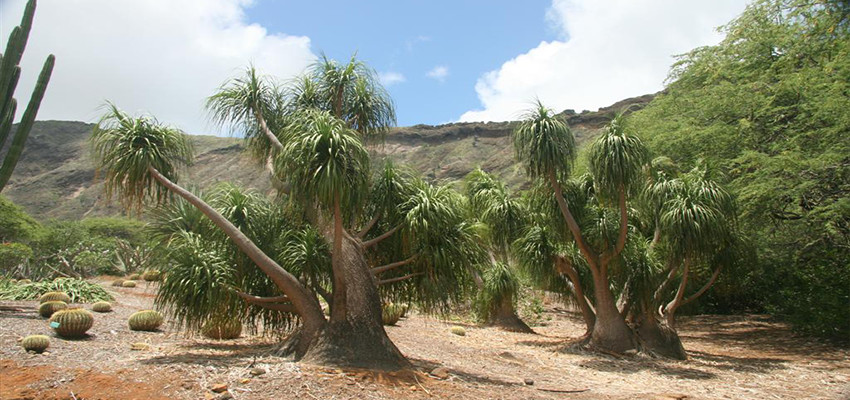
(731, 357)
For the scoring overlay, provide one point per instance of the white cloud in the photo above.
(440, 73)
(610, 50)
(159, 56)
(391, 78)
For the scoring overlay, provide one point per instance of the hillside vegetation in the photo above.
(55, 177)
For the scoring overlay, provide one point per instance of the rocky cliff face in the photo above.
(56, 178)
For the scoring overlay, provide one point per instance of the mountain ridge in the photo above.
(55, 177)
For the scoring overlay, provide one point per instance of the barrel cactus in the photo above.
(457, 330)
(54, 296)
(145, 320)
(152, 275)
(129, 284)
(222, 329)
(72, 322)
(134, 277)
(101, 306)
(118, 282)
(36, 343)
(391, 314)
(48, 308)
(24, 281)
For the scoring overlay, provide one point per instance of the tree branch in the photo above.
(378, 239)
(387, 267)
(369, 225)
(260, 300)
(704, 287)
(572, 224)
(258, 113)
(401, 278)
(278, 307)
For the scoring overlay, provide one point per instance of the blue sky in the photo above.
(413, 38)
(442, 61)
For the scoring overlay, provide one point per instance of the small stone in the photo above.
(188, 385)
(257, 371)
(46, 353)
(219, 387)
(244, 380)
(413, 388)
(224, 396)
(528, 381)
(631, 352)
(440, 373)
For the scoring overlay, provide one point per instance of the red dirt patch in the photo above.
(44, 382)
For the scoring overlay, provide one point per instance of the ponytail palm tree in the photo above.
(389, 234)
(503, 216)
(139, 158)
(544, 143)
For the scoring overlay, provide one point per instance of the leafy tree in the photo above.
(502, 218)
(388, 235)
(544, 143)
(767, 108)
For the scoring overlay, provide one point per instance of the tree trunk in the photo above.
(355, 336)
(610, 331)
(305, 303)
(565, 268)
(505, 317)
(658, 338)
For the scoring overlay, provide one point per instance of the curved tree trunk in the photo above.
(587, 313)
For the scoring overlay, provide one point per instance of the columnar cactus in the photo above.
(54, 296)
(128, 284)
(48, 308)
(10, 71)
(36, 343)
(145, 320)
(71, 323)
(152, 275)
(101, 306)
(222, 329)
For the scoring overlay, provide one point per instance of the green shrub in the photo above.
(48, 308)
(36, 343)
(79, 290)
(72, 323)
(145, 320)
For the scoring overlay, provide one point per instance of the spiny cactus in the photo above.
(47, 308)
(152, 275)
(36, 343)
(134, 277)
(118, 282)
(390, 314)
(101, 306)
(128, 284)
(457, 330)
(73, 322)
(10, 72)
(404, 309)
(222, 328)
(24, 281)
(145, 320)
(54, 296)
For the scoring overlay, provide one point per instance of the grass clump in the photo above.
(78, 290)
